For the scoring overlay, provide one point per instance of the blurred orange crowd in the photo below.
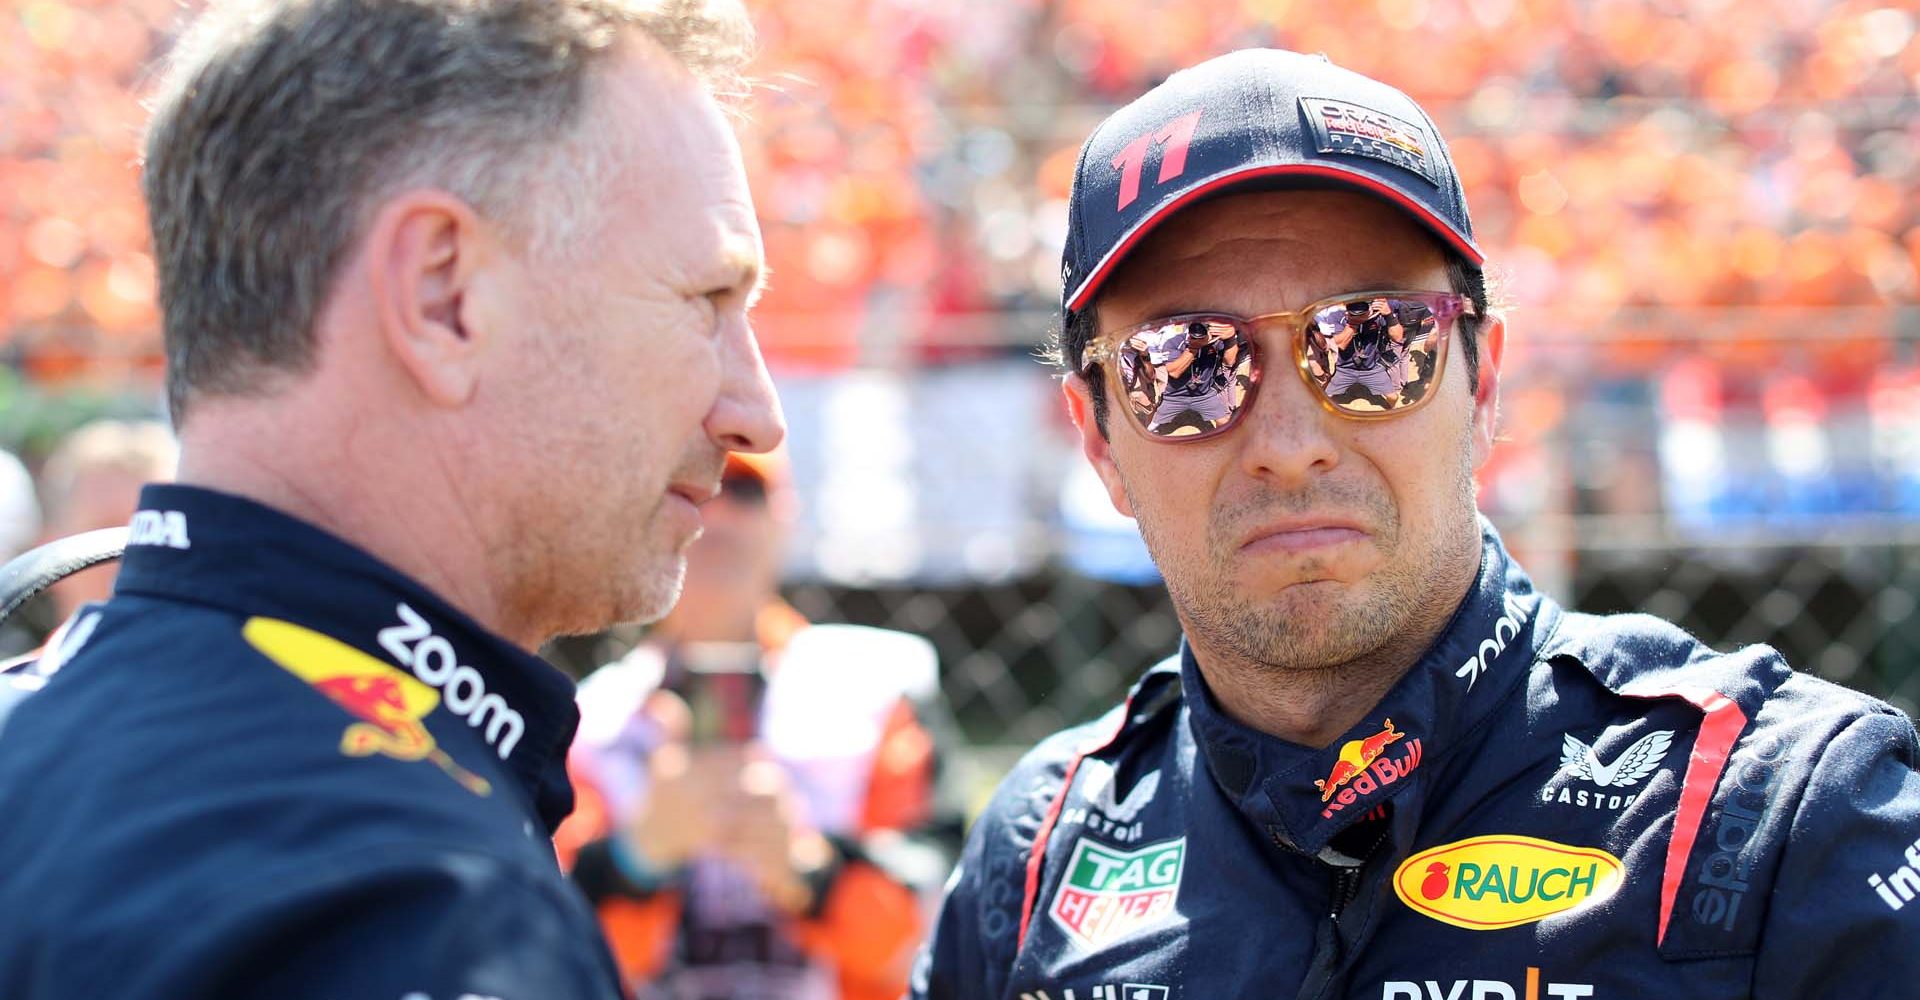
(1735, 170)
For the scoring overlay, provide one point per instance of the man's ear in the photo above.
(1492, 344)
(422, 253)
(1093, 444)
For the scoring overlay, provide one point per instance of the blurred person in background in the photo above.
(92, 480)
(19, 507)
(757, 795)
(1382, 764)
(455, 298)
(19, 526)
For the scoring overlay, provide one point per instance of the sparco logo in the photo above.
(414, 644)
(1504, 631)
(1750, 799)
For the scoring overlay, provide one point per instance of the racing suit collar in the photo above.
(1301, 797)
(201, 546)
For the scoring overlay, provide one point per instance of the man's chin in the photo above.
(652, 595)
(1297, 593)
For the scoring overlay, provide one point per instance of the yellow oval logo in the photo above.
(1504, 880)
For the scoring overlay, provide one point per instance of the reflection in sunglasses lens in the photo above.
(1186, 378)
(1374, 355)
(1190, 376)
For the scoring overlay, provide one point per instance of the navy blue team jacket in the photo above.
(272, 766)
(1549, 805)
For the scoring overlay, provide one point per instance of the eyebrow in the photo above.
(750, 272)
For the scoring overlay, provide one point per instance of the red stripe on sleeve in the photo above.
(1036, 856)
(1723, 725)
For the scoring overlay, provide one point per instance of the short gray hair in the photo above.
(280, 124)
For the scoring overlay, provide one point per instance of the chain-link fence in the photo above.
(1023, 658)
(951, 502)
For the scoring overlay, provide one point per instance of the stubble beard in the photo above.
(1323, 627)
(613, 560)
(613, 580)
(654, 586)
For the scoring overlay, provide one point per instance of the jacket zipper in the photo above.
(1346, 886)
(1326, 940)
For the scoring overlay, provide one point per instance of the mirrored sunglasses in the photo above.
(1364, 355)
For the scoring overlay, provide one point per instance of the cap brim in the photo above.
(1254, 174)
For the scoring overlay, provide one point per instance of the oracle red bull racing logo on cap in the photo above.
(1363, 765)
(389, 703)
(1108, 894)
(1505, 880)
(1340, 127)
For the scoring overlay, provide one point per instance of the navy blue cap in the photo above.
(1254, 118)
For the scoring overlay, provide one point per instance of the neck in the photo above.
(1309, 707)
(1313, 706)
(386, 493)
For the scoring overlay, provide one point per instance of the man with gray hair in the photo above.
(456, 297)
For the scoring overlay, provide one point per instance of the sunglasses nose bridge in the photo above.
(1284, 396)
(1286, 432)
(1273, 338)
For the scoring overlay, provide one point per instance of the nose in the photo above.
(746, 416)
(1288, 438)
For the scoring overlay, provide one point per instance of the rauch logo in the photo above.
(1505, 880)
(1109, 894)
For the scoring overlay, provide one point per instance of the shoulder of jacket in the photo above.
(322, 891)
(1034, 783)
(146, 627)
(1641, 656)
(1764, 733)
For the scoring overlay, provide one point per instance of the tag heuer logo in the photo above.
(1109, 893)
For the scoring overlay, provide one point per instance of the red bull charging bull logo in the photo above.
(1363, 765)
(389, 702)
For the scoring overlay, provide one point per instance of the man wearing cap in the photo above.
(1382, 765)
(455, 298)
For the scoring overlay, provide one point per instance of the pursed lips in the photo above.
(1297, 534)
